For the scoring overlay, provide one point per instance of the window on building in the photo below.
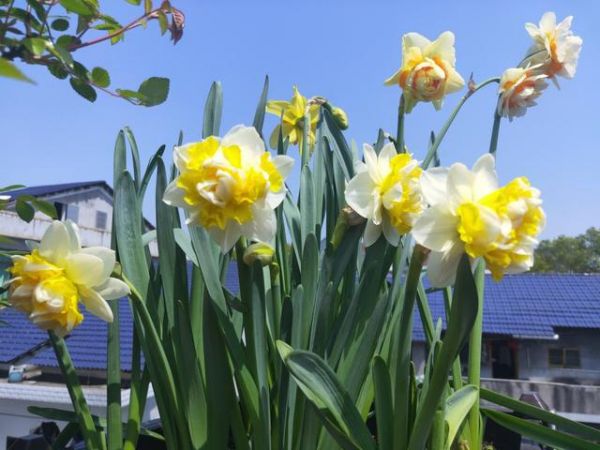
(568, 358)
(101, 219)
(572, 358)
(72, 213)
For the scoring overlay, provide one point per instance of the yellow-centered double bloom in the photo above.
(469, 213)
(428, 71)
(519, 89)
(554, 47)
(386, 192)
(48, 283)
(230, 186)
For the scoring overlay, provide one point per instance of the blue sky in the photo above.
(342, 50)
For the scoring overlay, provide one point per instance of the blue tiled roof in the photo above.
(87, 343)
(525, 306)
(532, 305)
(51, 189)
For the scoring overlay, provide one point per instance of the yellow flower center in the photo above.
(221, 187)
(424, 78)
(517, 204)
(399, 192)
(473, 230)
(42, 290)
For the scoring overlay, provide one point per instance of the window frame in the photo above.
(563, 354)
(105, 220)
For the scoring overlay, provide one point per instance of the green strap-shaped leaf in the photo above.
(384, 409)
(323, 389)
(540, 433)
(213, 110)
(259, 115)
(462, 317)
(457, 408)
(534, 412)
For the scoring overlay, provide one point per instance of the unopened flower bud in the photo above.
(340, 117)
(261, 252)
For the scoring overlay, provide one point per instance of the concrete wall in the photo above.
(561, 397)
(533, 358)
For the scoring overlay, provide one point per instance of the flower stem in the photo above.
(400, 129)
(92, 438)
(474, 375)
(495, 133)
(440, 135)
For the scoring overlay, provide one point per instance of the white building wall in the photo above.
(16, 421)
(88, 203)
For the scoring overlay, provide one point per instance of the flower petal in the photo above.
(112, 289)
(84, 269)
(372, 233)
(228, 237)
(433, 185)
(284, 164)
(95, 304)
(173, 196)
(486, 179)
(436, 228)
(246, 138)
(415, 40)
(107, 256)
(390, 233)
(263, 225)
(394, 80)
(442, 266)
(442, 47)
(56, 242)
(359, 194)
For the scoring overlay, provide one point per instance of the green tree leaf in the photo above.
(83, 89)
(79, 7)
(57, 69)
(100, 77)
(154, 91)
(24, 210)
(9, 70)
(35, 45)
(60, 24)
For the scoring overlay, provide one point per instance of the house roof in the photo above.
(528, 306)
(53, 189)
(532, 306)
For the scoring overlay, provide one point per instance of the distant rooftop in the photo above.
(527, 306)
(53, 189)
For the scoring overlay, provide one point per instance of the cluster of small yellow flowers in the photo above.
(554, 52)
(427, 73)
(292, 114)
(470, 214)
(230, 186)
(48, 283)
(386, 191)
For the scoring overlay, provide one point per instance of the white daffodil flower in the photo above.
(428, 71)
(386, 192)
(519, 89)
(230, 186)
(554, 46)
(458, 220)
(48, 283)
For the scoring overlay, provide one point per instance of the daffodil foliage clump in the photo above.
(317, 341)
